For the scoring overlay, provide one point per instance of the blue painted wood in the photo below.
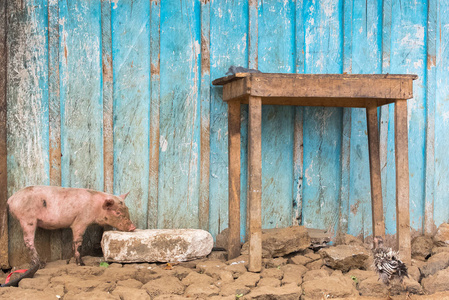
(131, 69)
(322, 126)
(179, 167)
(276, 50)
(27, 116)
(81, 94)
(228, 38)
(441, 210)
(408, 55)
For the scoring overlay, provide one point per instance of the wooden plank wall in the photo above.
(116, 96)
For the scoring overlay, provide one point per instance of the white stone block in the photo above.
(156, 245)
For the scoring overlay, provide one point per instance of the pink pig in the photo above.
(52, 207)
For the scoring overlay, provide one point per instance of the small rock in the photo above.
(299, 260)
(164, 285)
(201, 290)
(227, 289)
(39, 283)
(372, 287)
(345, 257)
(119, 274)
(269, 281)
(358, 275)
(293, 274)
(328, 270)
(212, 268)
(437, 282)
(130, 293)
(156, 245)
(221, 240)
(329, 287)
(195, 277)
(218, 255)
(226, 276)
(315, 274)
(170, 297)
(79, 286)
(248, 279)
(441, 237)
(347, 239)
(282, 241)
(93, 295)
(435, 263)
(273, 273)
(274, 262)
(236, 269)
(84, 271)
(422, 246)
(436, 250)
(412, 286)
(130, 283)
(315, 265)
(242, 259)
(313, 256)
(415, 273)
(285, 292)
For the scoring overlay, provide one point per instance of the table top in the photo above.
(336, 90)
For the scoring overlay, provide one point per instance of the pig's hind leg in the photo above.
(29, 230)
(77, 241)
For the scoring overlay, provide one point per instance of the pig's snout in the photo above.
(132, 227)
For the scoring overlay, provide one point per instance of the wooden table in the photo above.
(368, 91)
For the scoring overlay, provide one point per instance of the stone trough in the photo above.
(156, 245)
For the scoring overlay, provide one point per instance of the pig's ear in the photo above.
(124, 196)
(108, 204)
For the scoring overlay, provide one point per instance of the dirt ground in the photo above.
(209, 278)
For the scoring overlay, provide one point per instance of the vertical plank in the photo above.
(108, 100)
(253, 34)
(255, 183)
(180, 112)
(298, 142)
(322, 126)
(429, 222)
(378, 223)
(131, 73)
(155, 92)
(27, 117)
(402, 180)
(80, 71)
(228, 46)
(408, 55)
(234, 178)
(365, 59)
(58, 247)
(4, 259)
(205, 118)
(441, 209)
(276, 49)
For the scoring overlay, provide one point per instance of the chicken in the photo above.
(387, 264)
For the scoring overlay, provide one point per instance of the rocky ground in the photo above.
(342, 271)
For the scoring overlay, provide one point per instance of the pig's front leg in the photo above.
(78, 232)
(29, 229)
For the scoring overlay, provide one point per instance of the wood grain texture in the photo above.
(228, 46)
(180, 115)
(155, 93)
(131, 69)
(255, 183)
(402, 181)
(27, 117)
(4, 258)
(234, 178)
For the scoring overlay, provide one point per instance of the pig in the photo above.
(52, 207)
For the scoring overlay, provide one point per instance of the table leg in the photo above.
(234, 178)
(374, 167)
(402, 180)
(255, 183)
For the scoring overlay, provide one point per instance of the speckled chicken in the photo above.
(387, 264)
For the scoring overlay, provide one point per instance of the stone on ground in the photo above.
(315, 274)
(436, 250)
(422, 247)
(94, 295)
(164, 285)
(130, 283)
(293, 274)
(195, 277)
(435, 263)
(345, 257)
(129, 293)
(328, 287)
(441, 237)
(282, 241)
(437, 282)
(39, 283)
(156, 245)
(201, 291)
(272, 272)
(286, 292)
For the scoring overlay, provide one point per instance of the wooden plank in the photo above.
(80, 70)
(276, 54)
(253, 34)
(255, 184)
(228, 46)
(108, 97)
(180, 115)
(429, 200)
(234, 178)
(4, 258)
(402, 180)
(131, 72)
(409, 55)
(155, 94)
(27, 103)
(378, 223)
(205, 118)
